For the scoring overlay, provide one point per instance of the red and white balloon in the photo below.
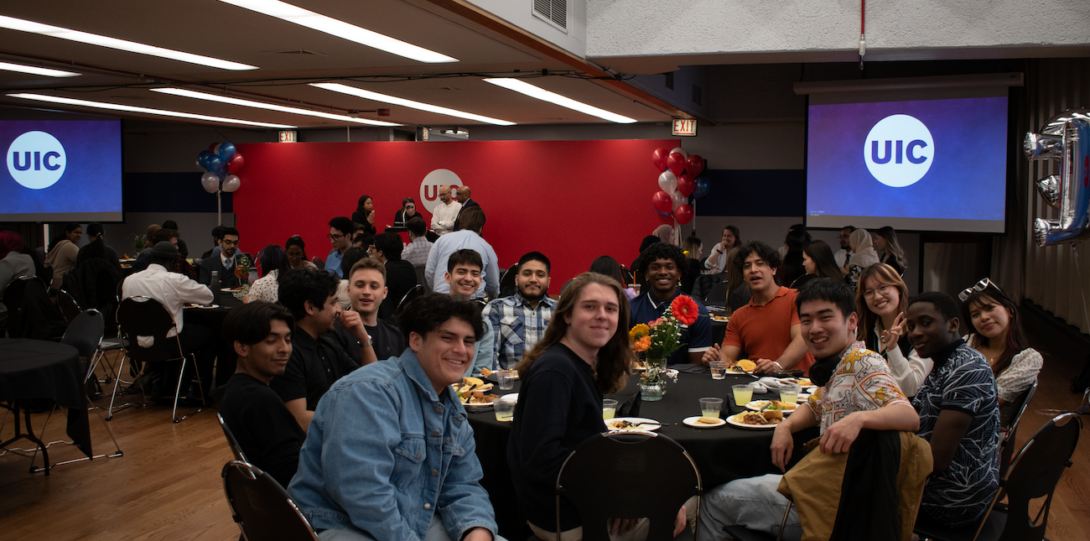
(679, 178)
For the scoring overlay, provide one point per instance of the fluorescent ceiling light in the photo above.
(12, 23)
(544, 95)
(145, 110)
(341, 29)
(7, 66)
(271, 107)
(375, 96)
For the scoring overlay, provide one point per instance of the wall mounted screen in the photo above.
(60, 170)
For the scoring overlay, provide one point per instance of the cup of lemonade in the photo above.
(709, 407)
(789, 392)
(743, 394)
(609, 408)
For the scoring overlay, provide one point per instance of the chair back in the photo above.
(261, 507)
(318, 262)
(1006, 447)
(416, 291)
(145, 316)
(507, 281)
(564, 288)
(85, 332)
(13, 294)
(718, 295)
(627, 475)
(236, 449)
(69, 307)
(421, 273)
(626, 275)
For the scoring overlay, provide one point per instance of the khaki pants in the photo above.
(639, 533)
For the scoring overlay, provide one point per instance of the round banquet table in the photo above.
(722, 454)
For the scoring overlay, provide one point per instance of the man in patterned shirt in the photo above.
(521, 319)
(959, 414)
(856, 392)
(418, 249)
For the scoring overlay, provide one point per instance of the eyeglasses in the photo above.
(980, 286)
(335, 237)
(882, 290)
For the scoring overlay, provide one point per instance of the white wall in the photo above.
(520, 13)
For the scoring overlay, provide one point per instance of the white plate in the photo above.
(691, 421)
(212, 306)
(651, 424)
(469, 406)
(756, 405)
(731, 421)
(803, 398)
(513, 397)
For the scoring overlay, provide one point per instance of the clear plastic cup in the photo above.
(719, 369)
(709, 407)
(505, 410)
(505, 380)
(609, 408)
(789, 392)
(743, 394)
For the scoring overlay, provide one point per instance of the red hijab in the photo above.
(10, 241)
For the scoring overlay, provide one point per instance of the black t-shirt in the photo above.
(559, 407)
(388, 340)
(268, 434)
(313, 367)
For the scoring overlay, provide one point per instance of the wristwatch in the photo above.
(369, 343)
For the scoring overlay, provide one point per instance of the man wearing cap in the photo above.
(174, 290)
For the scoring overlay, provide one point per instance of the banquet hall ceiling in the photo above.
(290, 56)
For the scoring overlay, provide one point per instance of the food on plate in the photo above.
(621, 424)
(805, 382)
(707, 421)
(773, 415)
(486, 372)
(236, 288)
(745, 365)
(473, 384)
(756, 419)
(478, 397)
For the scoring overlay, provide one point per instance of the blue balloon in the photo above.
(215, 164)
(703, 185)
(227, 151)
(203, 157)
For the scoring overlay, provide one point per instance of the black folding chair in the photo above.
(68, 306)
(416, 291)
(262, 508)
(318, 262)
(507, 281)
(1006, 447)
(236, 449)
(718, 295)
(1033, 475)
(13, 300)
(628, 476)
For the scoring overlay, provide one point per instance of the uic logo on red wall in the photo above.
(429, 187)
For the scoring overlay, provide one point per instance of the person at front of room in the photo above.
(416, 253)
(857, 391)
(296, 250)
(663, 266)
(995, 330)
(317, 359)
(959, 414)
(340, 238)
(366, 290)
(863, 256)
(717, 258)
(882, 300)
(818, 261)
(270, 437)
(583, 355)
(400, 275)
(463, 278)
(63, 253)
(367, 471)
(223, 263)
(767, 327)
(520, 320)
(364, 216)
(445, 214)
(468, 237)
(405, 213)
(464, 195)
(842, 255)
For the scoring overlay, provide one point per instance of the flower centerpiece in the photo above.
(242, 272)
(659, 339)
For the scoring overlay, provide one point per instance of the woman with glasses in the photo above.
(407, 211)
(996, 331)
(296, 250)
(881, 301)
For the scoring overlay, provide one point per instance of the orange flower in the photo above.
(643, 344)
(685, 309)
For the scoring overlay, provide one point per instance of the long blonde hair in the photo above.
(614, 358)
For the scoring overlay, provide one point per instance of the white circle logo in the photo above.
(899, 150)
(429, 187)
(36, 160)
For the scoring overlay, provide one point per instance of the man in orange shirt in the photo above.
(766, 329)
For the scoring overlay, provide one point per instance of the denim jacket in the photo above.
(384, 452)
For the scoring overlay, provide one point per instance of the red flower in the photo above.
(685, 309)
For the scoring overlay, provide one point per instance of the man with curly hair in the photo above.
(663, 266)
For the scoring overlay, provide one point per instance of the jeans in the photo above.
(753, 503)
(435, 533)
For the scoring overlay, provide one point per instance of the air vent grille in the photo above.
(554, 11)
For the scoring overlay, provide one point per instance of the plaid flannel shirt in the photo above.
(517, 326)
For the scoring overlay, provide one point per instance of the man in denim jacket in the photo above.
(390, 445)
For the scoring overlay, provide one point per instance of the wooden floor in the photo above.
(167, 485)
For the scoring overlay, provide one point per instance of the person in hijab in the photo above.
(665, 234)
(365, 214)
(13, 263)
(863, 256)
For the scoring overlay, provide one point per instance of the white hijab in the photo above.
(863, 253)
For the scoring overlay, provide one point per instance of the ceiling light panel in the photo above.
(375, 96)
(35, 70)
(143, 110)
(22, 25)
(341, 29)
(269, 106)
(523, 87)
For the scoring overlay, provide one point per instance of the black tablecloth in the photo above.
(721, 454)
(226, 358)
(31, 369)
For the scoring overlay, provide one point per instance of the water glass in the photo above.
(505, 410)
(505, 380)
(719, 369)
(709, 407)
(609, 409)
(743, 394)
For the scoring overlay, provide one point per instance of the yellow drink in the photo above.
(742, 396)
(711, 414)
(608, 413)
(790, 397)
(505, 415)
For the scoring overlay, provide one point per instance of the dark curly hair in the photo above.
(769, 254)
(661, 250)
(297, 286)
(424, 314)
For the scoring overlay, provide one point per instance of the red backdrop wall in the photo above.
(571, 200)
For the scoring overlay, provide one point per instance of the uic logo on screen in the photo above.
(899, 150)
(36, 160)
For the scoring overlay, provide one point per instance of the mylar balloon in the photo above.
(683, 214)
(686, 184)
(1065, 139)
(676, 163)
(237, 162)
(679, 151)
(231, 183)
(677, 200)
(658, 157)
(668, 182)
(662, 203)
(694, 165)
(703, 186)
(226, 151)
(210, 182)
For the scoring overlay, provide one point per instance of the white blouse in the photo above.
(264, 288)
(1019, 375)
(908, 372)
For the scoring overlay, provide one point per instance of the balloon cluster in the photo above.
(1066, 139)
(680, 178)
(218, 161)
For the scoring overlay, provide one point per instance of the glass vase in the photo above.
(653, 384)
(651, 392)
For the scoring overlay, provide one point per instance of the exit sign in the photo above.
(287, 137)
(684, 127)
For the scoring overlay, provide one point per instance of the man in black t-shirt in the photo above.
(366, 291)
(268, 434)
(317, 359)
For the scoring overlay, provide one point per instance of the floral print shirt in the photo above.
(861, 382)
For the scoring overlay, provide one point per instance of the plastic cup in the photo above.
(609, 408)
(719, 369)
(505, 410)
(743, 394)
(709, 407)
(505, 380)
(789, 392)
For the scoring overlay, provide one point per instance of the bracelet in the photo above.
(778, 365)
(370, 342)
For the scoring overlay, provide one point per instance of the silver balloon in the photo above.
(231, 183)
(1066, 138)
(1049, 188)
(678, 200)
(211, 182)
(668, 182)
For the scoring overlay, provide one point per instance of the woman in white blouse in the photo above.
(996, 331)
(273, 261)
(881, 301)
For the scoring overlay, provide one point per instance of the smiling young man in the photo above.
(521, 319)
(766, 329)
(390, 454)
(663, 265)
(857, 392)
(366, 290)
(463, 277)
(340, 239)
(958, 405)
(268, 434)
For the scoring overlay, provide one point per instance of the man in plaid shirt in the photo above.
(418, 249)
(520, 320)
